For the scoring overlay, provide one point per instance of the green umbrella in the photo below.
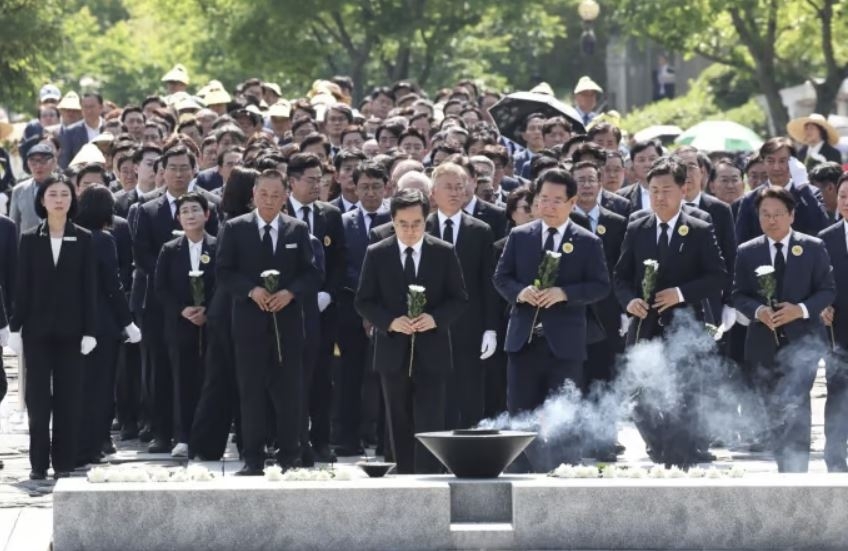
(720, 136)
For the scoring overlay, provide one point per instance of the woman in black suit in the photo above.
(53, 324)
(113, 320)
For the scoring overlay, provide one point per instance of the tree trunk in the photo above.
(827, 91)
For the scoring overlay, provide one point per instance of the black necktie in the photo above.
(447, 234)
(409, 265)
(351, 208)
(371, 216)
(267, 242)
(693, 205)
(662, 245)
(305, 211)
(549, 242)
(779, 268)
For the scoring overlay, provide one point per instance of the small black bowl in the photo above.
(375, 469)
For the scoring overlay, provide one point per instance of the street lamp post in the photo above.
(588, 10)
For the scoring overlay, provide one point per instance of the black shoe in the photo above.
(349, 451)
(606, 456)
(702, 456)
(61, 474)
(116, 426)
(289, 464)
(145, 435)
(324, 454)
(109, 446)
(159, 446)
(128, 433)
(247, 470)
(619, 448)
(1, 464)
(307, 457)
(37, 474)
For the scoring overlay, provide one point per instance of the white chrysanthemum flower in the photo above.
(714, 473)
(651, 263)
(697, 472)
(179, 475)
(417, 288)
(159, 474)
(764, 270)
(177, 233)
(97, 475)
(269, 273)
(737, 471)
(564, 471)
(676, 472)
(552, 254)
(586, 471)
(657, 471)
(636, 472)
(195, 273)
(199, 473)
(273, 473)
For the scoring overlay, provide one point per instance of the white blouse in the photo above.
(56, 245)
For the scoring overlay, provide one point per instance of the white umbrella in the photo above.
(720, 136)
(657, 131)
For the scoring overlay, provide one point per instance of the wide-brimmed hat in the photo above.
(543, 88)
(274, 87)
(281, 109)
(215, 94)
(88, 154)
(177, 74)
(71, 101)
(795, 128)
(586, 84)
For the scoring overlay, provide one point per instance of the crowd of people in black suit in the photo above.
(248, 265)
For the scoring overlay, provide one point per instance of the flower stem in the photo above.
(411, 354)
(200, 342)
(533, 325)
(638, 329)
(277, 338)
(832, 338)
(776, 340)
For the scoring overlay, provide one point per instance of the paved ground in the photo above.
(26, 506)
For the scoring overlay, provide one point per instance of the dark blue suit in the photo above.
(836, 406)
(810, 215)
(209, 179)
(783, 377)
(71, 139)
(353, 341)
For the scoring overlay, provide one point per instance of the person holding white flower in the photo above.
(786, 323)
(268, 326)
(185, 282)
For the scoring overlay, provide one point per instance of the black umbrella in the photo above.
(509, 113)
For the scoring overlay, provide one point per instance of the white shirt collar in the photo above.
(380, 209)
(298, 206)
(456, 218)
(192, 244)
(785, 241)
(94, 129)
(469, 208)
(560, 229)
(594, 212)
(814, 149)
(671, 223)
(171, 198)
(696, 201)
(275, 223)
(416, 247)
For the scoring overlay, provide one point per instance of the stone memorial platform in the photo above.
(757, 512)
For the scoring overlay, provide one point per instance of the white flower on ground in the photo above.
(199, 473)
(657, 471)
(636, 472)
(676, 472)
(159, 474)
(564, 471)
(273, 473)
(714, 473)
(736, 471)
(179, 475)
(586, 471)
(97, 475)
(697, 472)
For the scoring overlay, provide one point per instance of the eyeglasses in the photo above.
(586, 181)
(38, 161)
(177, 169)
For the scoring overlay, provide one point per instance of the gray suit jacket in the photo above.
(22, 209)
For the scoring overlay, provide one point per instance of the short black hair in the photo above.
(345, 155)
(553, 122)
(193, 197)
(526, 122)
(772, 145)
(372, 169)
(514, 198)
(754, 159)
(639, 147)
(541, 163)
(300, 162)
(95, 95)
(231, 130)
(42, 188)
(842, 180)
(774, 192)
(221, 154)
(590, 149)
(95, 208)
(91, 168)
(411, 132)
(558, 176)
(603, 128)
(394, 128)
(132, 109)
(176, 151)
(407, 198)
(580, 165)
(827, 172)
(668, 166)
(138, 154)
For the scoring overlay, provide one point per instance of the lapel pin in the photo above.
(683, 231)
(327, 241)
(797, 250)
(601, 229)
(567, 248)
(204, 258)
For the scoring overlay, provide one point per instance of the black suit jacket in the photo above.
(834, 240)
(633, 193)
(607, 312)
(120, 231)
(173, 287)
(473, 247)
(382, 297)
(615, 203)
(357, 240)
(9, 255)
(492, 215)
(124, 200)
(209, 179)
(71, 139)
(113, 313)
(694, 265)
(827, 151)
(327, 227)
(239, 265)
(810, 216)
(55, 300)
(808, 279)
(725, 231)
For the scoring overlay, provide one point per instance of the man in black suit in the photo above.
(370, 179)
(835, 317)
(494, 216)
(784, 340)
(9, 253)
(809, 216)
(73, 137)
(156, 224)
(324, 221)
(144, 159)
(691, 270)
(642, 155)
(345, 162)
(184, 319)
(605, 342)
(250, 244)
(547, 331)
(474, 334)
(413, 372)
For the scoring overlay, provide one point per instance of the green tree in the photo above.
(776, 42)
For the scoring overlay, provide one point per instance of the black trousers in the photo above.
(4, 385)
(466, 388)
(158, 376)
(55, 362)
(128, 393)
(98, 377)
(310, 356)
(353, 345)
(321, 387)
(218, 404)
(533, 374)
(262, 379)
(413, 405)
(187, 358)
(836, 412)
(599, 372)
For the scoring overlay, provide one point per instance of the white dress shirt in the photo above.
(93, 132)
(785, 253)
(416, 253)
(646, 197)
(671, 225)
(469, 208)
(456, 219)
(172, 201)
(346, 205)
(275, 224)
(298, 212)
(557, 237)
(194, 252)
(56, 247)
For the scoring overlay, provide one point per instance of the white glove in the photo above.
(87, 344)
(133, 333)
(742, 319)
(4, 336)
(489, 344)
(16, 344)
(728, 317)
(625, 324)
(324, 300)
